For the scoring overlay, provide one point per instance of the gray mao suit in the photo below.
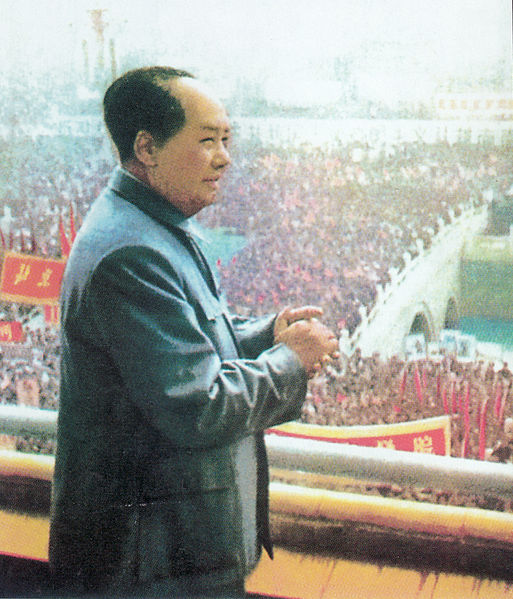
(160, 480)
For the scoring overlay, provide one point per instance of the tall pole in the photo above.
(85, 54)
(113, 61)
(99, 26)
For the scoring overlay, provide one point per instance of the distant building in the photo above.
(474, 106)
(303, 93)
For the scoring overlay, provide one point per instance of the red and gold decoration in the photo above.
(11, 331)
(52, 314)
(430, 435)
(30, 279)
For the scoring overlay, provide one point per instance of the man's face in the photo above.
(189, 165)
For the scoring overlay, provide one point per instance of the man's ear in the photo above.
(144, 148)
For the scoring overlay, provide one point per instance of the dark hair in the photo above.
(139, 101)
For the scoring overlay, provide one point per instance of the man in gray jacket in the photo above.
(160, 485)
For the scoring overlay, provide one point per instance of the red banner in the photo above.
(30, 279)
(431, 435)
(11, 331)
(52, 315)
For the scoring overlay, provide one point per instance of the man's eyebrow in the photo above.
(215, 129)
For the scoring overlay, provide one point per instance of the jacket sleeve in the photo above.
(169, 366)
(254, 335)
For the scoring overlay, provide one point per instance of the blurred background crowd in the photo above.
(323, 226)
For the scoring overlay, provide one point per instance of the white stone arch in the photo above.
(421, 322)
(452, 314)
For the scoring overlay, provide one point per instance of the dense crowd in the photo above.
(327, 226)
(63, 176)
(320, 226)
(476, 395)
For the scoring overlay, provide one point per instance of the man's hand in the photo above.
(312, 341)
(290, 315)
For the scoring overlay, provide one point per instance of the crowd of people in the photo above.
(320, 226)
(475, 394)
(328, 226)
(63, 176)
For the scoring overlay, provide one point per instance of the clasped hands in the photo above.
(301, 331)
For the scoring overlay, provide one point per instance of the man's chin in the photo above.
(210, 199)
(197, 205)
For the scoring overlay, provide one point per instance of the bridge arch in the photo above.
(421, 326)
(452, 317)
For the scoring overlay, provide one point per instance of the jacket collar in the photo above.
(150, 202)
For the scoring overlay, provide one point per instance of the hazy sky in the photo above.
(260, 38)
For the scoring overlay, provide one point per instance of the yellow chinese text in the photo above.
(45, 278)
(423, 444)
(22, 274)
(386, 443)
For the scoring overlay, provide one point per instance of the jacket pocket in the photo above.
(195, 534)
(186, 471)
(212, 308)
(215, 322)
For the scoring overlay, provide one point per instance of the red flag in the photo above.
(454, 398)
(446, 403)
(418, 385)
(402, 386)
(65, 246)
(482, 429)
(4, 245)
(466, 421)
(52, 314)
(22, 242)
(498, 399)
(72, 229)
(340, 397)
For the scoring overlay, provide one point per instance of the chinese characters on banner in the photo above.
(11, 332)
(431, 435)
(31, 279)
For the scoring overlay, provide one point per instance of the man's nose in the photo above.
(222, 157)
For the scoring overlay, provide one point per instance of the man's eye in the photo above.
(211, 139)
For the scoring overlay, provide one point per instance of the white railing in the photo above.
(21, 420)
(335, 459)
